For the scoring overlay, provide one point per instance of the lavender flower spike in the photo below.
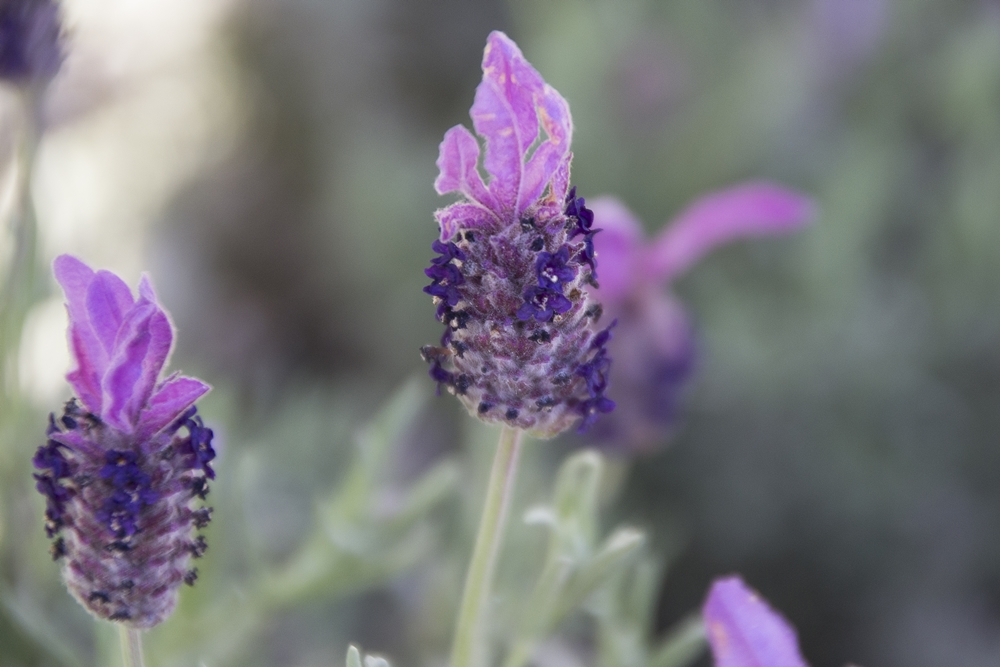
(516, 266)
(744, 631)
(128, 456)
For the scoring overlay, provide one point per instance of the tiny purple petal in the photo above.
(619, 248)
(754, 209)
(744, 631)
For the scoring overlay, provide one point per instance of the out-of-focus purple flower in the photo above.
(127, 457)
(654, 346)
(516, 267)
(743, 630)
(30, 40)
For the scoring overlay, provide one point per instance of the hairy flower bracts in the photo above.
(128, 458)
(516, 267)
(654, 346)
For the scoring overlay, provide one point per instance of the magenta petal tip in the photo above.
(744, 631)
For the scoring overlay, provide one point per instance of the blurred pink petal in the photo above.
(755, 209)
(619, 247)
(743, 630)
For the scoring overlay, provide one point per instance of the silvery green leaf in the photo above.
(618, 551)
(683, 644)
(353, 656)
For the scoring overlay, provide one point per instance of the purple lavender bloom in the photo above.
(30, 40)
(128, 456)
(654, 346)
(516, 269)
(743, 630)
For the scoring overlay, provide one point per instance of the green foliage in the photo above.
(611, 578)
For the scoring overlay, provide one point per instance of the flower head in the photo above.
(516, 266)
(654, 346)
(743, 630)
(127, 457)
(30, 40)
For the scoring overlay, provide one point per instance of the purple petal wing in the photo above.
(619, 248)
(504, 114)
(91, 358)
(140, 351)
(169, 400)
(551, 153)
(744, 631)
(755, 209)
(108, 299)
(462, 215)
(458, 160)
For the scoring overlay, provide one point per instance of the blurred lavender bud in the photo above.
(743, 630)
(31, 48)
(127, 457)
(654, 345)
(516, 267)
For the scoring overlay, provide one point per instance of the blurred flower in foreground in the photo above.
(744, 631)
(516, 262)
(654, 346)
(30, 40)
(117, 474)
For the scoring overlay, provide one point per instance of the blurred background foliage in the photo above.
(270, 163)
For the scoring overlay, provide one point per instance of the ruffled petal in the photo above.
(504, 114)
(619, 248)
(91, 358)
(744, 631)
(458, 160)
(167, 403)
(551, 154)
(754, 209)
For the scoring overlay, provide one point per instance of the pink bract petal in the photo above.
(755, 209)
(744, 631)
(169, 400)
(462, 214)
(550, 154)
(108, 299)
(620, 253)
(458, 162)
(91, 358)
(140, 352)
(503, 113)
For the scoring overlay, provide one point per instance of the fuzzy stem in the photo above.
(131, 640)
(469, 648)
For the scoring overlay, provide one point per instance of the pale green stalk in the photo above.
(469, 648)
(131, 646)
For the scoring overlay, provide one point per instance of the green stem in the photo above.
(469, 649)
(131, 646)
(18, 291)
